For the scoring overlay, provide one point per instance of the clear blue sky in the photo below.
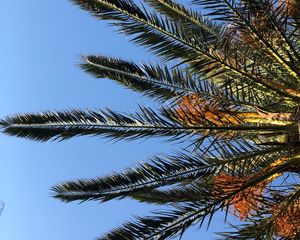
(40, 44)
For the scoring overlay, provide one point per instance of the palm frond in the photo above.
(162, 225)
(242, 92)
(64, 125)
(148, 28)
(163, 171)
(145, 123)
(189, 18)
(162, 83)
(159, 172)
(257, 229)
(173, 196)
(152, 80)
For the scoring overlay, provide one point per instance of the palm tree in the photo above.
(229, 90)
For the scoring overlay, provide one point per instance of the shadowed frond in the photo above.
(162, 225)
(149, 29)
(116, 126)
(153, 80)
(64, 125)
(257, 229)
(163, 171)
(176, 195)
(189, 18)
(146, 176)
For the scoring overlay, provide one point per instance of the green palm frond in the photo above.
(177, 195)
(258, 229)
(153, 80)
(64, 125)
(167, 170)
(189, 18)
(146, 176)
(161, 83)
(162, 225)
(243, 93)
(149, 29)
(145, 123)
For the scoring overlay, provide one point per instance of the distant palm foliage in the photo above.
(2, 205)
(229, 90)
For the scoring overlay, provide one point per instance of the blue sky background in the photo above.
(41, 42)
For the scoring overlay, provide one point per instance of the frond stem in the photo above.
(137, 126)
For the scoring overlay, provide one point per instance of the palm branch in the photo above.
(228, 90)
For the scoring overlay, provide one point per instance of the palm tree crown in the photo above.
(229, 90)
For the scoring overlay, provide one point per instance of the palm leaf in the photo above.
(162, 225)
(173, 196)
(152, 80)
(64, 125)
(189, 18)
(116, 126)
(159, 172)
(162, 171)
(256, 229)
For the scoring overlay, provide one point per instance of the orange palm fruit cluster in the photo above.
(195, 110)
(287, 222)
(245, 202)
(292, 7)
(264, 26)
